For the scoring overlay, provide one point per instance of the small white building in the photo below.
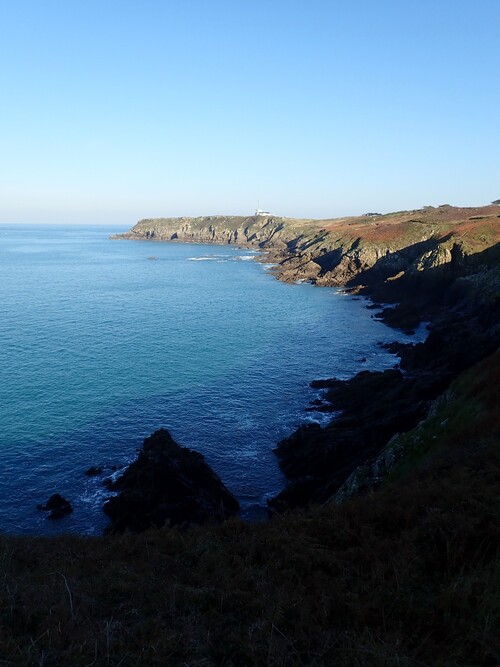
(259, 212)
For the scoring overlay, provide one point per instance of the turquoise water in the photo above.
(101, 344)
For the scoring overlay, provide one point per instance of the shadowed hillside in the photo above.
(408, 576)
(461, 301)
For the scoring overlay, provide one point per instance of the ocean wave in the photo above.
(321, 418)
(222, 258)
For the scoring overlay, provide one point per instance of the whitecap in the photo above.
(320, 418)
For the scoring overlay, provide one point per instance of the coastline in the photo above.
(434, 279)
(407, 574)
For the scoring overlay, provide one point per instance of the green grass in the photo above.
(465, 418)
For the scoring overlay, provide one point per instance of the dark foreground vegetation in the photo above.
(407, 576)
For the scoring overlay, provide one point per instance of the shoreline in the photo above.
(405, 574)
(311, 414)
(423, 282)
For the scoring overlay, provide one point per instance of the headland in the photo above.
(345, 251)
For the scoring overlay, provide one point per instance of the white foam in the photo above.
(96, 495)
(321, 418)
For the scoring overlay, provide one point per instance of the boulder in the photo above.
(93, 471)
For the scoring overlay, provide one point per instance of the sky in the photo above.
(116, 110)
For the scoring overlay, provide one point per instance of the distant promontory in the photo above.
(367, 249)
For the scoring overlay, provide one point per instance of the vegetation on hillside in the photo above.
(336, 251)
(408, 576)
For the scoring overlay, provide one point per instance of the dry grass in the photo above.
(409, 579)
(478, 227)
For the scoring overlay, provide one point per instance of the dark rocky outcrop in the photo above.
(464, 316)
(57, 506)
(167, 485)
(93, 471)
(374, 406)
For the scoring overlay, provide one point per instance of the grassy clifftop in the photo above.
(338, 251)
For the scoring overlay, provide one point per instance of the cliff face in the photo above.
(346, 251)
(359, 447)
(254, 231)
(460, 421)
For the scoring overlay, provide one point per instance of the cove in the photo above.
(104, 342)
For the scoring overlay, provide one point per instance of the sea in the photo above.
(104, 341)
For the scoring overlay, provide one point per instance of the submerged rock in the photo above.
(93, 471)
(167, 485)
(57, 505)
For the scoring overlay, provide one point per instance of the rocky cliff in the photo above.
(462, 305)
(352, 251)
(441, 265)
(462, 420)
(254, 231)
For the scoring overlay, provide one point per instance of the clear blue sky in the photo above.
(118, 109)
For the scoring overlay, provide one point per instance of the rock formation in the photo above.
(464, 314)
(439, 265)
(167, 485)
(345, 251)
(57, 506)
